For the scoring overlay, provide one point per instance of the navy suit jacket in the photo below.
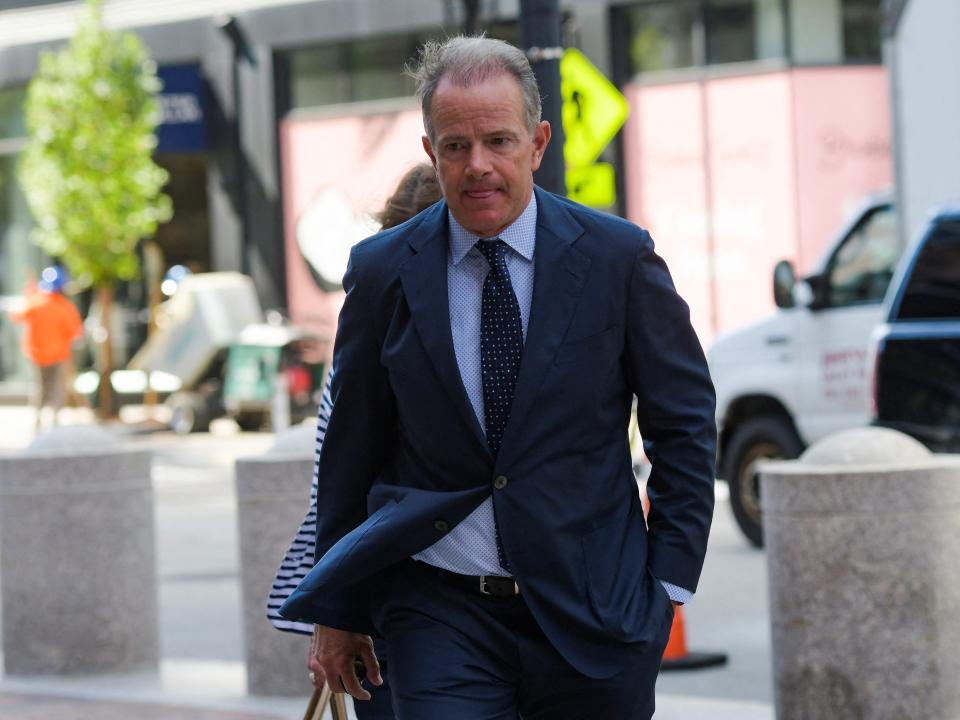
(405, 459)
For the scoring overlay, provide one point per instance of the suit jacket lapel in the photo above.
(424, 281)
(559, 275)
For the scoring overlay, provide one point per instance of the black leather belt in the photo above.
(490, 585)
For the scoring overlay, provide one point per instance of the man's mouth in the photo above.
(480, 194)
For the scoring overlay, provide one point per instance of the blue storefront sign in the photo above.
(183, 108)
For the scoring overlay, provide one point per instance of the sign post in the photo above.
(540, 37)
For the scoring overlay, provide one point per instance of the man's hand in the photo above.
(332, 653)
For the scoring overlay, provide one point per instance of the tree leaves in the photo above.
(88, 171)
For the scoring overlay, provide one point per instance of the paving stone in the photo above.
(14, 706)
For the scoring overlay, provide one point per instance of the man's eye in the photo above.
(500, 140)
(454, 147)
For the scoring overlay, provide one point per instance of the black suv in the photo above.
(917, 367)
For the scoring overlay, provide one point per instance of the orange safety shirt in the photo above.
(52, 324)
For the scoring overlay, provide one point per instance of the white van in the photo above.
(800, 374)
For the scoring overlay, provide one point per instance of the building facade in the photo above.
(924, 66)
(754, 125)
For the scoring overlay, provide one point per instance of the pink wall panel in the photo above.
(666, 186)
(784, 157)
(752, 191)
(843, 148)
(362, 157)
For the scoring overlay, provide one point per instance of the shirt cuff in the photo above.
(676, 593)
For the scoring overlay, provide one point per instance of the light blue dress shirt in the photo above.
(471, 547)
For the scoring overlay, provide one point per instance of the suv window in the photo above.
(862, 267)
(933, 290)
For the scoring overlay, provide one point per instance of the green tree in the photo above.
(88, 171)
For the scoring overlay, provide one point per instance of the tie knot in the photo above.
(492, 250)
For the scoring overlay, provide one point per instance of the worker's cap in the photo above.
(53, 278)
(172, 279)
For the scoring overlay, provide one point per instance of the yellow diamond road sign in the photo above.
(593, 185)
(593, 109)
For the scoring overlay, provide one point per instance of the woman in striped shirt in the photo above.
(418, 190)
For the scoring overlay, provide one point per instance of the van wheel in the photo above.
(251, 421)
(759, 439)
(188, 413)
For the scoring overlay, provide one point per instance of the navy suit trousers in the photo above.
(380, 704)
(456, 654)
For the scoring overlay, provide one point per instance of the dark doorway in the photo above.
(185, 240)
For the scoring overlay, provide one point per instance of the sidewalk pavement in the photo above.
(15, 706)
(30, 707)
(215, 690)
(17, 422)
(181, 690)
(210, 690)
(32, 701)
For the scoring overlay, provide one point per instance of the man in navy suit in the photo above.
(477, 505)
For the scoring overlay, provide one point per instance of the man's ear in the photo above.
(428, 149)
(541, 138)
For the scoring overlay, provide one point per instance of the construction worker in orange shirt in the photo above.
(52, 325)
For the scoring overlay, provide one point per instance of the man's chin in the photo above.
(484, 224)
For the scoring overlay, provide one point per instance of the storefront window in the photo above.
(666, 34)
(862, 31)
(18, 256)
(377, 67)
(836, 31)
(11, 112)
(363, 69)
(662, 36)
(320, 76)
(744, 30)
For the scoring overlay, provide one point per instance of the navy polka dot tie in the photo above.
(501, 342)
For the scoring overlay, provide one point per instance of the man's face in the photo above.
(483, 152)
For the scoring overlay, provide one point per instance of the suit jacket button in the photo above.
(441, 525)
(500, 483)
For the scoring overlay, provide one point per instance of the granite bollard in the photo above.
(864, 579)
(77, 556)
(273, 495)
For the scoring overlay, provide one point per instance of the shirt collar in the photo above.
(520, 235)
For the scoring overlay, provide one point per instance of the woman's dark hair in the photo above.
(418, 189)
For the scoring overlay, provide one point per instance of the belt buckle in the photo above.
(485, 588)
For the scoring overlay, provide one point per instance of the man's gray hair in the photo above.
(468, 61)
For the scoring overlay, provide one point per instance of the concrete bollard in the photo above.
(273, 495)
(77, 556)
(864, 580)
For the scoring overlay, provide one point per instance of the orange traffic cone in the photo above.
(678, 657)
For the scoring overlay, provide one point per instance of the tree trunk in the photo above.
(105, 356)
(153, 275)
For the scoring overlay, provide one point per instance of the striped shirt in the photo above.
(299, 559)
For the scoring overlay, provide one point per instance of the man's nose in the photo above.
(478, 163)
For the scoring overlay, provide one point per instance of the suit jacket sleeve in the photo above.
(675, 413)
(360, 435)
